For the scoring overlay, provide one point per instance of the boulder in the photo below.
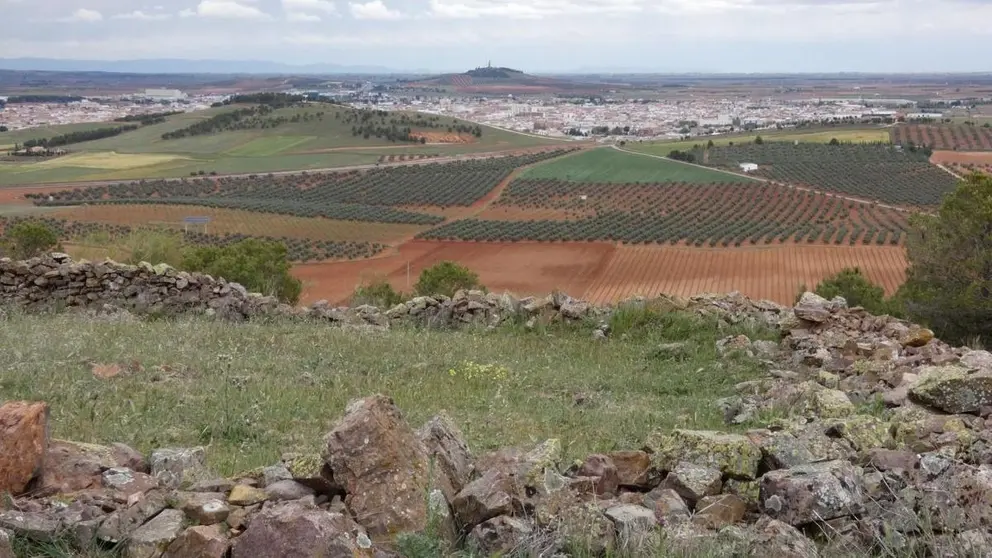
(127, 482)
(446, 444)
(668, 507)
(244, 495)
(24, 438)
(977, 360)
(812, 492)
(731, 454)
(72, 466)
(636, 527)
(383, 466)
(30, 525)
(574, 523)
(151, 539)
(287, 490)
(174, 467)
(717, 512)
(500, 536)
(693, 482)
(291, 529)
(633, 469)
(952, 389)
(773, 538)
(916, 337)
(603, 472)
(493, 494)
(813, 308)
(204, 541)
(130, 458)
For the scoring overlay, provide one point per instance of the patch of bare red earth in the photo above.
(605, 272)
(978, 158)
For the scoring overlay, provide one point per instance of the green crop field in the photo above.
(814, 135)
(610, 165)
(307, 137)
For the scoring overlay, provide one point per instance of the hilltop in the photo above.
(705, 426)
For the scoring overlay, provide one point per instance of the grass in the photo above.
(253, 391)
(610, 165)
(265, 147)
(107, 160)
(853, 135)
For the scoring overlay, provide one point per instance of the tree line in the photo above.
(148, 119)
(14, 99)
(75, 137)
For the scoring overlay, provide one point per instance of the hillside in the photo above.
(303, 137)
(709, 426)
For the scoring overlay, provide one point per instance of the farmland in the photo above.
(804, 135)
(870, 172)
(610, 165)
(956, 137)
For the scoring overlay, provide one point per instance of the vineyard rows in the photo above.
(299, 249)
(355, 196)
(944, 137)
(872, 171)
(723, 214)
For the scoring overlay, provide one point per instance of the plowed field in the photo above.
(604, 272)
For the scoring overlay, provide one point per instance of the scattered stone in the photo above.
(731, 454)
(244, 495)
(290, 529)
(812, 492)
(717, 512)
(24, 439)
(204, 541)
(151, 539)
(175, 466)
(285, 490)
(129, 458)
(500, 536)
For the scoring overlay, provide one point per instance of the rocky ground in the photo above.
(874, 442)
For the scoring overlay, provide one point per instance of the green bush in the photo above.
(949, 280)
(446, 278)
(258, 265)
(377, 293)
(30, 239)
(857, 290)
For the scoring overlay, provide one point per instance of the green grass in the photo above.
(264, 147)
(814, 135)
(252, 391)
(610, 165)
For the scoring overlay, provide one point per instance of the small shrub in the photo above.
(857, 290)
(377, 293)
(446, 278)
(258, 265)
(30, 239)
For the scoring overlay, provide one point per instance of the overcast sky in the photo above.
(532, 35)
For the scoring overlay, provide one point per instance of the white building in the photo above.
(749, 167)
(164, 94)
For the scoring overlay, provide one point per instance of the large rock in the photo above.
(287, 490)
(952, 389)
(813, 308)
(30, 525)
(776, 539)
(24, 441)
(151, 539)
(174, 467)
(634, 469)
(693, 482)
(291, 529)
(812, 492)
(383, 466)
(127, 482)
(717, 512)
(204, 541)
(493, 494)
(446, 444)
(120, 524)
(636, 527)
(72, 466)
(575, 524)
(500, 536)
(668, 507)
(731, 454)
(603, 473)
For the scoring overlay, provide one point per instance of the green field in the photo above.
(813, 135)
(294, 145)
(613, 166)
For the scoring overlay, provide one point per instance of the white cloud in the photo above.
(301, 17)
(228, 9)
(324, 6)
(531, 9)
(141, 16)
(374, 9)
(187, 13)
(83, 14)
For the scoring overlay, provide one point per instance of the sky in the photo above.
(537, 36)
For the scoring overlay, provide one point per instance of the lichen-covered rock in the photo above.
(204, 508)
(127, 482)
(952, 389)
(812, 492)
(72, 466)
(174, 467)
(817, 401)
(30, 525)
(574, 523)
(24, 441)
(863, 432)
(383, 466)
(731, 454)
(291, 529)
(244, 495)
(693, 482)
(153, 538)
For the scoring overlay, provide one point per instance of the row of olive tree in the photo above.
(948, 284)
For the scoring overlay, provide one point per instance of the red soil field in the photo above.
(961, 157)
(603, 272)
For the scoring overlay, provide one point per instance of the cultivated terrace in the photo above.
(858, 435)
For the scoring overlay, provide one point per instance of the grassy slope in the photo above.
(610, 165)
(253, 391)
(291, 146)
(854, 135)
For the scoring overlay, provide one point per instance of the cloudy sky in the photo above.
(533, 35)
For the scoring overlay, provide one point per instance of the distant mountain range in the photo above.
(178, 66)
